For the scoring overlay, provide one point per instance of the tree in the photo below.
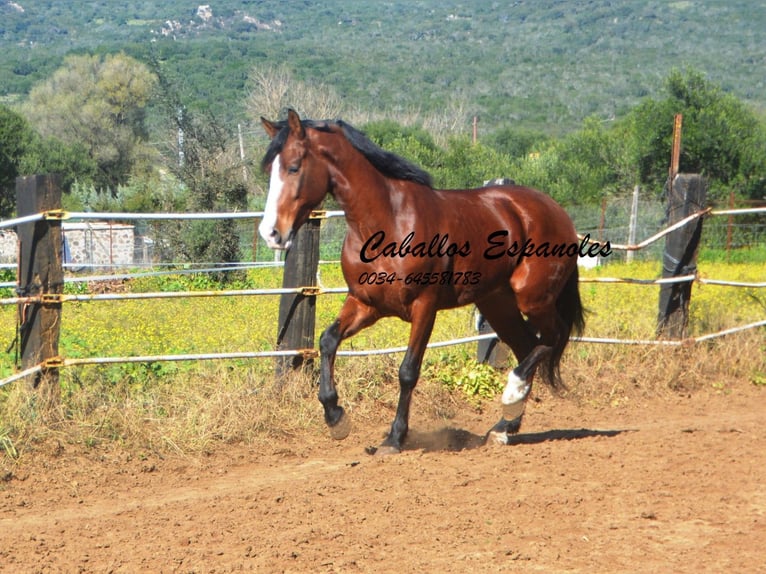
(274, 88)
(386, 132)
(465, 165)
(594, 162)
(721, 138)
(72, 162)
(15, 138)
(24, 152)
(207, 161)
(461, 164)
(582, 167)
(516, 142)
(98, 103)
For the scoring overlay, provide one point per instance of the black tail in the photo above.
(571, 321)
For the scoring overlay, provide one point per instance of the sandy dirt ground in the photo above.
(665, 484)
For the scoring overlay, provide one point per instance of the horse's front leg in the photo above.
(423, 317)
(354, 316)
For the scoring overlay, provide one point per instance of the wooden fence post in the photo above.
(686, 196)
(297, 311)
(40, 273)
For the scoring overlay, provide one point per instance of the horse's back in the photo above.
(523, 211)
(528, 200)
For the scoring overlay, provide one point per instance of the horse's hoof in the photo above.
(387, 450)
(496, 437)
(342, 428)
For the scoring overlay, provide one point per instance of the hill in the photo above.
(537, 64)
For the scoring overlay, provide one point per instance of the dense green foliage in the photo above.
(15, 137)
(543, 64)
(23, 151)
(722, 139)
(565, 100)
(98, 103)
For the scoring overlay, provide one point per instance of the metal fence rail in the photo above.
(58, 362)
(320, 290)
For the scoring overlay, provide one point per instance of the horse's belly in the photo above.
(391, 285)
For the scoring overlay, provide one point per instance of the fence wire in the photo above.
(333, 233)
(151, 252)
(59, 362)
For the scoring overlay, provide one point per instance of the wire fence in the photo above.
(145, 249)
(332, 236)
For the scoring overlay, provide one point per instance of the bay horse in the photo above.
(411, 250)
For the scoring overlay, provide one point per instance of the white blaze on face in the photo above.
(514, 396)
(267, 226)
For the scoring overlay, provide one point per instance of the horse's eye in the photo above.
(294, 168)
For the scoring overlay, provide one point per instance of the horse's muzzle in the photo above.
(276, 240)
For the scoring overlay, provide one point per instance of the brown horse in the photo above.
(411, 250)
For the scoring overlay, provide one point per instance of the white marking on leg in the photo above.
(269, 222)
(514, 396)
(516, 390)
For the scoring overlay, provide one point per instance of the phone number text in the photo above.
(420, 278)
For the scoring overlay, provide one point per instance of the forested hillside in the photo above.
(542, 64)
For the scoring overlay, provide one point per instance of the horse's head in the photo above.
(299, 180)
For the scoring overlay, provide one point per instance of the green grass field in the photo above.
(191, 405)
(228, 324)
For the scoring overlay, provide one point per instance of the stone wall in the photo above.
(92, 244)
(98, 244)
(9, 249)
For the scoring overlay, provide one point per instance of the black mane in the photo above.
(387, 163)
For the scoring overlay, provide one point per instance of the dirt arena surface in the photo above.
(665, 484)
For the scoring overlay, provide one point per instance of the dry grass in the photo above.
(196, 413)
(612, 376)
(196, 409)
(192, 412)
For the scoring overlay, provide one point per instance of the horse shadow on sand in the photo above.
(455, 440)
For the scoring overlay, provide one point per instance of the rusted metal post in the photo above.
(40, 275)
(675, 155)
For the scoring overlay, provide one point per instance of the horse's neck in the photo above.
(366, 200)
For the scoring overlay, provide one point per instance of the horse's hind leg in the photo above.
(550, 299)
(503, 315)
(514, 398)
(354, 316)
(506, 320)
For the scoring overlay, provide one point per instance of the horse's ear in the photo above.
(296, 127)
(270, 127)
